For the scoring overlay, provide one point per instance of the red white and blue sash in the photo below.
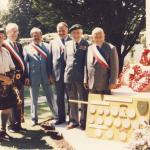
(39, 50)
(62, 46)
(98, 57)
(15, 54)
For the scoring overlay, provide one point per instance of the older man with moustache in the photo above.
(57, 48)
(37, 59)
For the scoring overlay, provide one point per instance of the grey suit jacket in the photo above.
(97, 76)
(38, 69)
(75, 61)
(57, 59)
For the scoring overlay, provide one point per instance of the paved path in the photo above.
(79, 140)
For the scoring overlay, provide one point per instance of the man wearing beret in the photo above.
(75, 55)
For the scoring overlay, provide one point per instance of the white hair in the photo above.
(35, 29)
(97, 30)
(11, 26)
(61, 24)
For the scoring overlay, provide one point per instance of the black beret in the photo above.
(75, 27)
(2, 30)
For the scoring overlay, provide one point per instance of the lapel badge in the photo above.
(82, 47)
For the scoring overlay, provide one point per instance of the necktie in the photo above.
(15, 46)
(77, 46)
(63, 41)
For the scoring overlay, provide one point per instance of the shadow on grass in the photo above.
(32, 140)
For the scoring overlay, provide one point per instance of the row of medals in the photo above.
(127, 114)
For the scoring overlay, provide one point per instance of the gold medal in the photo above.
(100, 121)
(108, 122)
(117, 123)
(92, 110)
(98, 133)
(123, 136)
(131, 113)
(109, 134)
(107, 112)
(100, 111)
(126, 123)
(114, 111)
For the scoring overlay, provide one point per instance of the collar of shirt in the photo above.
(77, 42)
(65, 39)
(40, 44)
(11, 42)
(99, 45)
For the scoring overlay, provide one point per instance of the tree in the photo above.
(122, 20)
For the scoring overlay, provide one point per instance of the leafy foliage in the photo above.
(122, 20)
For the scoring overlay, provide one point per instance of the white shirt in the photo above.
(6, 63)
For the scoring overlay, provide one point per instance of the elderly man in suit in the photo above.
(75, 55)
(102, 64)
(57, 48)
(16, 52)
(37, 59)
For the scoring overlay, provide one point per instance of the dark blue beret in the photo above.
(75, 27)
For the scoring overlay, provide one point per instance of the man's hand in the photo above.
(27, 81)
(86, 86)
(113, 86)
(51, 79)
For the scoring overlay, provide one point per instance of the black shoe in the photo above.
(83, 124)
(21, 129)
(13, 130)
(56, 122)
(4, 136)
(34, 124)
(72, 125)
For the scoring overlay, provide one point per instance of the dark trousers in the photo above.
(18, 111)
(4, 116)
(76, 91)
(60, 91)
(97, 91)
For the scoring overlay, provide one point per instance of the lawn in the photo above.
(34, 138)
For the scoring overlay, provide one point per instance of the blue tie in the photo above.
(63, 41)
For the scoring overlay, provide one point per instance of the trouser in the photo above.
(18, 111)
(4, 115)
(60, 90)
(76, 91)
(50, 93)
(98, 91)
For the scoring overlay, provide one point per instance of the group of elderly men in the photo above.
(67, 68)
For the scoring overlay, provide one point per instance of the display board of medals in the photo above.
(111, 117)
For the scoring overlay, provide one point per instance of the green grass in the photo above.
(27, 92)
(34, 138)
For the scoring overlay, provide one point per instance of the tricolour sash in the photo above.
(62, 46)
(98, 57)
(39, 50)
(15, 54)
